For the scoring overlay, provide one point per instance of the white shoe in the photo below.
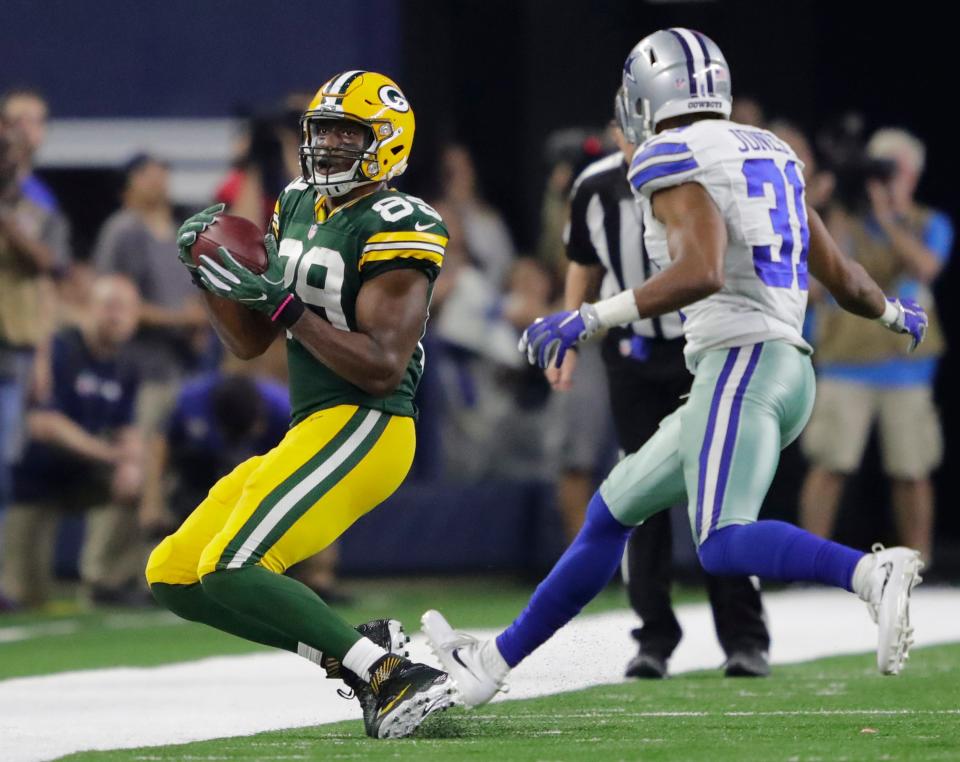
(466, 659)
(886, 590)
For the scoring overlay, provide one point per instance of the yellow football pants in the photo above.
(282, 507)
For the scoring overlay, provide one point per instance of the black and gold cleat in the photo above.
(390, 636)
(406, 693)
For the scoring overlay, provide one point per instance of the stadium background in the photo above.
(499, 77)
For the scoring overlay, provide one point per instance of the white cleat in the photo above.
(895, 572)
(466, 659)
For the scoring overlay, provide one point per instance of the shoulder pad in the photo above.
(661, 162)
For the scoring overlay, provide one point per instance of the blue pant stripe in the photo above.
(731, 438)
(711, 425)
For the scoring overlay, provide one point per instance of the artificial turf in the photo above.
(831, 709)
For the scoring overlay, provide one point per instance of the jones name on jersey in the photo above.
(756, 181)
(329, 256)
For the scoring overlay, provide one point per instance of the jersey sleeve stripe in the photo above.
(658, 149)
(388, 254)
(403, 245)
(641, 178)
(408, 235)
(275, 220)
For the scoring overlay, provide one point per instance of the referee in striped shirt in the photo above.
(646, 377)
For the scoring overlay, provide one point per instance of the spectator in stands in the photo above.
(486, 235)
(866, 375)
(489, 394)
(138, 241)
(29, 255)
(567, 152)
(83, 454)
(270, 158)
(27, 110)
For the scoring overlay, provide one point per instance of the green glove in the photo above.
(188, 232)
(263, 293)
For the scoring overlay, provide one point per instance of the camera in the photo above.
(843, 148)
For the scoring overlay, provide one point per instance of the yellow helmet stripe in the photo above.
(387, 254)
(408, 235)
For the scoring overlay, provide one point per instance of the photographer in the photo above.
(866, 375)
(29, 237)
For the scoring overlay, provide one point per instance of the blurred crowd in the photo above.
(118, 403)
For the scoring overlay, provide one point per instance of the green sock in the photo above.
(283, 604)
(192, 603)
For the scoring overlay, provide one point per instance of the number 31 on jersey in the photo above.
(785, 266)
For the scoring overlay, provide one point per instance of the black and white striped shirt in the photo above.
(606, 228)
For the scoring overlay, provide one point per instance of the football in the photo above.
(241, 237)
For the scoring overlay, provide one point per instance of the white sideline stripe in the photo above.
(241, 695)
(294, 496)
(15, 633)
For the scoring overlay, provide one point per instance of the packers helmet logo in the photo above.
(390, 96)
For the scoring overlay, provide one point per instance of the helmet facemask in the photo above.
(633, 116)
(334, 171)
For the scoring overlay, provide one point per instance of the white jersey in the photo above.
(756, 181)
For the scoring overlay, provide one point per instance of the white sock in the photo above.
(362, 655)
(492, 660)
(310, 654)
(862, 576)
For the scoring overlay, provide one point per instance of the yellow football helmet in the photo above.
(373, 101)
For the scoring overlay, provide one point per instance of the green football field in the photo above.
(832, 709)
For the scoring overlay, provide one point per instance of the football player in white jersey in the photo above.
(726, 218)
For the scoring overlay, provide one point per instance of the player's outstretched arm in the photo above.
(856, 291)
(391, 313)
(844, 278)
(697, 242)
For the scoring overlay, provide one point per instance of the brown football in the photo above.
(242, 238)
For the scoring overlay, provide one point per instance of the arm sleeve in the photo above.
(662, 163)
(415, 241)
(580, 248)
(275, 219)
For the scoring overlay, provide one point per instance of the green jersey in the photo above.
(328, 259)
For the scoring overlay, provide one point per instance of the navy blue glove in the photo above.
(546, 341)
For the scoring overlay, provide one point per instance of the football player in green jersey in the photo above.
(351, 266)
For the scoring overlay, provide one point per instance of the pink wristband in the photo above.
(281, 308)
